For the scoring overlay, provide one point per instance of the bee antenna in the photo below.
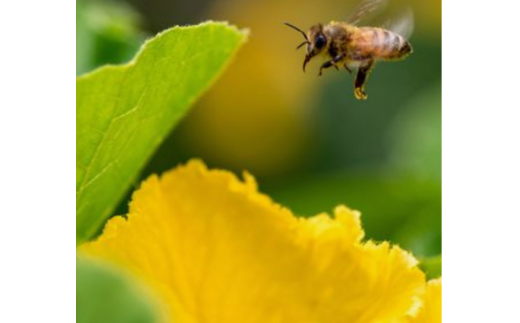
(297, 29)
(299, 46)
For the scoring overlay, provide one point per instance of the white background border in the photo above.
(481, 161)
(37, 167)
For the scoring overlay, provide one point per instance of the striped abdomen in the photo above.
(379, 43)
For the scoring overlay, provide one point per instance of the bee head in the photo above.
(315, 40)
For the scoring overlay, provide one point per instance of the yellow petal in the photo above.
(431, 309)
(216, 250)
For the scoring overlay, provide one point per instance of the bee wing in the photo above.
(403, 24)
(365, 8)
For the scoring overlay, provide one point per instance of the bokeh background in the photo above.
(309, 143)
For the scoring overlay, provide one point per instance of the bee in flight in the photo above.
(349, 46)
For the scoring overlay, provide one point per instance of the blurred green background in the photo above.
(309, 143)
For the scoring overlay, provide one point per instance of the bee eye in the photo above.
(320, 41)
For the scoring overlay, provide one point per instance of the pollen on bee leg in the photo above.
(360, 94)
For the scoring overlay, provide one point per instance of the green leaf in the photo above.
(432, 266)
(103, 294)
(124, 112)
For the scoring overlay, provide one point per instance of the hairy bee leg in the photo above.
(361, 79)
(327, 64)
(330, 63)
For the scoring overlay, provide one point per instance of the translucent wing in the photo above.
(402, 25)
(365, 8)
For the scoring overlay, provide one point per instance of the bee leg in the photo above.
(348, 69)
(327, 64)
(361, 79)
(330, 63)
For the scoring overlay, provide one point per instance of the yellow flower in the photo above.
(216, 250)
(430, 311)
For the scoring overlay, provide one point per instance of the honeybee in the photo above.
(350, 46)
